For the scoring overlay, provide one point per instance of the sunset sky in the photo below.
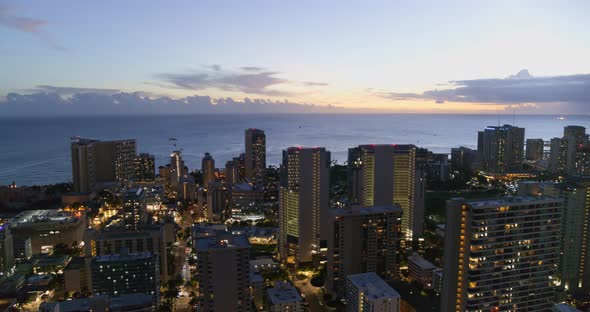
(393, 56)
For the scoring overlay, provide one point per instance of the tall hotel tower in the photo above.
(255, 155)
(303, 204)
(385, 175)
(501, 254)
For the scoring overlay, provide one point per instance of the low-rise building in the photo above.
(367, 292)
(284, 297)
(420, 270)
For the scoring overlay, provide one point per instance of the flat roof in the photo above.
(564, 307)
(221, 240)
(31, 217)
(372, 286)
(512, 201)
(283, 293)
(123, 257)
(421, 262)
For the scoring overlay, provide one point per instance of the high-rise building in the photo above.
(6, 251)
(255, 155)
(101, 161)
(216, 201)
(224, 272)
(384, 175)
(145, 168)
(303, 204)
(534, 149)
(208, 169)
(114, 161)
(463, 159)
(571, 153)
(134, 208)
(153, 239)
(126, 273)
(177, 168)
(501, 254)
(368, 293)
(574, 264)
(362, 240)
(232, 172)
(501, 148)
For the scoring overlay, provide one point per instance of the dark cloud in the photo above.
(123, 103)
(521, 88)
(247, 80)
(33, 26)
(252, 68)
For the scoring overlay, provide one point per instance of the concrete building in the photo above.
(187, 189)
(22, 248)
(384, 175)
(571, 153)
(243, 195)
(232, 171)
(501, 254)
(145, 168)
(217, 202)
(303, 205)
(437, 280)
(368, 292)
(83, 175)
(6, 251)
(77, 276)
(126, 273)
(420, 270)
(47, 228)
(463, 159)
(362, 240)
(284, 297)
(223, 272)
(151, 239)
(134, 208)
(255, 155)
(208, 170)
(177, 168)
(501, 148)
(534, 149)
(95, 161)
(574, 266)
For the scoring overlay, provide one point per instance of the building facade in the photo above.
(501, 148)
(255, 161)
(384, 175)
(534, 149)
(303, 204)
(145, 168)
(501, 254)
(367, 292)
(208, 169)
(362, 240)
(571, 153)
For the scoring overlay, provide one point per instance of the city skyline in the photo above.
(278, 57)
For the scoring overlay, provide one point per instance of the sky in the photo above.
(85, 57)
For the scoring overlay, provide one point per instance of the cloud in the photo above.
(250, 80)
(518, 89)
(101, 102)
(315, 84)
(33, 26)
(67, 91)
(252, 68)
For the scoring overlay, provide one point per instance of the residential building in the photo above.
(303, 205)
(420, 270)
(126, 273)
(223, 272)
(134, 208)
(362, 239)
(534, 149)
(208, 169)
(367, 292)
(571, 153)
(255, 161)
(463, 159)
(501, 148)
(501, 254)
(145, 168)
(284, 297)
(83, 175)
(384, 175)
(6, 251)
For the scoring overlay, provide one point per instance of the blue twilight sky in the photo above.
(399, 56)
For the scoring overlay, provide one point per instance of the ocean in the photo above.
(35, 150)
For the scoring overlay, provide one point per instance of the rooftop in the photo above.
(123, 257)
(31, 217)
(421, 262)
(283, 293)
(512, 201)
(372, 286)
(564, 307)
(221, 240)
